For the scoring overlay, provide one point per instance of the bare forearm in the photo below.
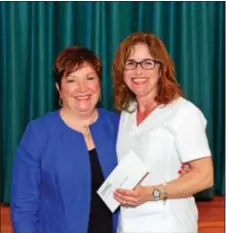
(188, 185)
(199, 178)
(185, 186)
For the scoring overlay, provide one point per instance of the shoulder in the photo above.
(44, 122)
(109, 120)
(186, 112)
(187, 107)
(183, 107)
(35, 133)
(109, 115)
(185, 104)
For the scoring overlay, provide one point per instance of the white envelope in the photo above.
(129, 172)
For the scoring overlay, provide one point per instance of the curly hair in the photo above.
(71, 59)
(168, 88)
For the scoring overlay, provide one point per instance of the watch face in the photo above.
(156, 194)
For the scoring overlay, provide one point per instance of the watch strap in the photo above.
(164, 194)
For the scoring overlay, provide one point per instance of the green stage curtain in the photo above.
(33, 33)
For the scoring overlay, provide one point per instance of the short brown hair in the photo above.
(71, 59)
(168, 89)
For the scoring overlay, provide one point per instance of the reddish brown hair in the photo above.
(73, 58)
(168, 88)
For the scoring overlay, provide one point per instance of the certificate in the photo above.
(129, 172)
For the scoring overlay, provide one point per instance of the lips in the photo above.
(139, 81)
(83, 97)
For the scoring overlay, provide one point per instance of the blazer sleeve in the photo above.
(26, 181)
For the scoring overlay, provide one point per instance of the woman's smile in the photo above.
(83, 97)
(139, 81)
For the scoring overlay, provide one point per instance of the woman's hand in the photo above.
(134, 197)
(141, 194)
(185, 168)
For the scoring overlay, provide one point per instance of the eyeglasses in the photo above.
(147, 64)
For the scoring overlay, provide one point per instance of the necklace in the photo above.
(87, 134)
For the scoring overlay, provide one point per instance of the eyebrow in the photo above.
(74, 76)
(91, 73)
(131, 59)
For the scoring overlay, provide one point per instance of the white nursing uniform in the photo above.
(170, 135)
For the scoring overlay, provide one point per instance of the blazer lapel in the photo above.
(103, 132)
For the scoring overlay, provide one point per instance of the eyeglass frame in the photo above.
(140, 63)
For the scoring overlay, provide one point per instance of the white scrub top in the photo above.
(170, 135)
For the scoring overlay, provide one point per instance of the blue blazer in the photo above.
(51, 182)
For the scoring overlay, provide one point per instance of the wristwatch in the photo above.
(156, 194)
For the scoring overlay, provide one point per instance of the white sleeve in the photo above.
(191, 140)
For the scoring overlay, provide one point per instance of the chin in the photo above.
(139, 93)
(86, 108)
(82, 109)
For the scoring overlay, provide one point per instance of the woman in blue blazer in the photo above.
(64, 156)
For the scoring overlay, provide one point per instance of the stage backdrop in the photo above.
(33, 33)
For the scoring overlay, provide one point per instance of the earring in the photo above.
(60, 102)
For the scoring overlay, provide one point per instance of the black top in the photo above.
(100, 220)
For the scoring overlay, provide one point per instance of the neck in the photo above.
(146, 104)
(81, 118)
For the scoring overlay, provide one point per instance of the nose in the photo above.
(139, 69)
(82, 86)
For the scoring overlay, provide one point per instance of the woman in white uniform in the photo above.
(164, 130)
